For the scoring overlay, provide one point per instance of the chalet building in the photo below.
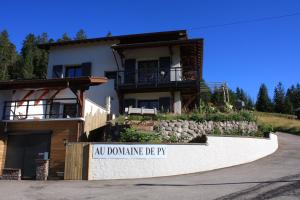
(159, 70)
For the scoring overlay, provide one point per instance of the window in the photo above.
(110, 74)
(148, 104)
(164, 104)
(73, 71)
(147, 71)
(70, 110)
(54, 110)
(129, 71)
(129, 103)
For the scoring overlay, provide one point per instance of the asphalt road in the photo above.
(274, 177)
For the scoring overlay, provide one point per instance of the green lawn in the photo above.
(280, 122)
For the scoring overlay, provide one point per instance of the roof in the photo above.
(125, 39)
(79, 82)
(155, 44)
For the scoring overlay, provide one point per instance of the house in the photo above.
(40, 116)
(159, 70)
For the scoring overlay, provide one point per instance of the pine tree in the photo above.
(288, 106)
(205, 93)
(64, 38)
(28, 56)
(263, 102)
(41, 58)
(80, 35)
(8, 55)
(293, 93)
(279, 95)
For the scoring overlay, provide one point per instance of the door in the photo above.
(23, 150)
(147, 72)
(148, 104)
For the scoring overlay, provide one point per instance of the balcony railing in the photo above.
(156, 78)
(41, 109)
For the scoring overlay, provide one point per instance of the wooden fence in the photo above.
(77, 161)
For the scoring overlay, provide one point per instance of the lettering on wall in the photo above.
(129, 151)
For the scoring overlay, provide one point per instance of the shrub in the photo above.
(141, 117)
(132, 135)
(265, 129)
(222, 117)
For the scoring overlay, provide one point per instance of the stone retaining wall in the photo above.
(185, 131)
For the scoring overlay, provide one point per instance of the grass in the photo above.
(280, 122)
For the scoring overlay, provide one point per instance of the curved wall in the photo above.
(219, 152)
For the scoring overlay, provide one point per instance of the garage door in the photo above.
(23, 150)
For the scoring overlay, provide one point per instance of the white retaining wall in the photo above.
(220, 152)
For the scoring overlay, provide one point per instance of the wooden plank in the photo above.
(77, 161)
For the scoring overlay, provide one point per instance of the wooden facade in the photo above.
(62, 131)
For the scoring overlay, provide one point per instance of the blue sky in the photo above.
(244, 55)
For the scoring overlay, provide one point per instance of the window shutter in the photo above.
(129, 68)
(164, 104)
(57, 71)
(86, 69)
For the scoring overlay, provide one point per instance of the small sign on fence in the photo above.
(135, 151)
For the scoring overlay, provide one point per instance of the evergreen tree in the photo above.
(80, 35)
(279, 96)
(41, 58)
(8, 55)
(263, 102)
(232, 97)
(293, 93)
(288, 106)
(64, 38)
(28, 54)
(241, 95)
(217, 97)
(205, 93)
(34, 60)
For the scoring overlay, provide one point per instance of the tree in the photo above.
(205, 93)
(34, 60)
(41, 58)
(288, 106)
(279, 96)
(109, 34)
(241, 95)
(263, 102)
(80, 35)
(8, 55)
(27, 52)
(64, 38)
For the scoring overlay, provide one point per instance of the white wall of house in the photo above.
(102, 59)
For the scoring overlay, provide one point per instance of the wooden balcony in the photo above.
(142, 81)
(34, 109)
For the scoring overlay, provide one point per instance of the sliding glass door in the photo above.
(147, 72)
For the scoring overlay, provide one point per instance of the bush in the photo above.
(222, 117)
(265, 129)
(132, 135)
(141, 117)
